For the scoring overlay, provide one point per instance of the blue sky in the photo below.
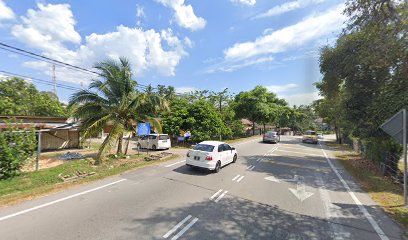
(189, 44)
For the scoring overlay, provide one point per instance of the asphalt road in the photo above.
(288, 190)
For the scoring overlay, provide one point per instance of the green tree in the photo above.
(115, 101)
(17, 97)
(15, 147)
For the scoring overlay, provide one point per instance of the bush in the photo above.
(15, 147)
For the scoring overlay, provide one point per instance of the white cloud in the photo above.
(6, 13)
(245, 2)
(309, 29)
(287, 7)
(184, 14)
(146, 49)
(282, 88)
(301, 98)
(140, 11)
(182, 90)
(233, 66)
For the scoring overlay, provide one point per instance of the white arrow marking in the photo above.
(300, 191)
(272, 178)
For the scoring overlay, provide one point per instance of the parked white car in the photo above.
(154, 142)
(211, 155)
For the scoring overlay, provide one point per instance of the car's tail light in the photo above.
(188, 154)
(208, 158)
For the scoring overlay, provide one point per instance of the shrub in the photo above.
(15, 147)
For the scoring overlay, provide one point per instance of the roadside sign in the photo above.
(143, 129)
(394, 126)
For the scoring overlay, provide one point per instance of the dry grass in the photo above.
(383, 190)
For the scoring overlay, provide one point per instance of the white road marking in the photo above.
(184, 229)
(239, 179)
(251, 168)
(367, 215)
(176, 163)
(171, 231)
(259, 159)
(215, 194)
(221, 196)
(305, 153)
(59, 200)
(235, 178)
(273, 179)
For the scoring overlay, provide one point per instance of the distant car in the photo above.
(310, 137)
(211, 155)
(154, 141)
(320, 136)
(271, 137)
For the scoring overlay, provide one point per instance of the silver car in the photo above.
(271, 137)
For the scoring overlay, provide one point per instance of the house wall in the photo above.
(61, 139)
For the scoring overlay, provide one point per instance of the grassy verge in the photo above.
(33, 184)
(387, 194)
(242, 139)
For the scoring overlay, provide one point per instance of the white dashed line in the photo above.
(235, 178)
(221, 196)
(185, 229)
(215, 194)
(239, 179)
(251, 168)
(171, 231)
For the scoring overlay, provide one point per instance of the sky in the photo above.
(189, 44)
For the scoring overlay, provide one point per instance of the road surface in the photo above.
(288, 190)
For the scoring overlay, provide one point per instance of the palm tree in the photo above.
(114, 99)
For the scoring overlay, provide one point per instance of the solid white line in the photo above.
(239, 179)
(367, 215)
(185, 229)
(59, 200)
(221, 196)
(235, 178)
(215, 194)
(175, 163)
(252, 168)
(171, 231)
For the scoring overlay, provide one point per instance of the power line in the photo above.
(46, 82)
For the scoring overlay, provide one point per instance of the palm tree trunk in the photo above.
(127, 145)
(120, 140)
(253, 128)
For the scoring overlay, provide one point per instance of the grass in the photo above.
(387, 194)
(240, 139)
(33, 184)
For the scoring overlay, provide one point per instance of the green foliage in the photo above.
(117, 102)
(15, 147)
(200, 117)
(17, 97)
(365, 74)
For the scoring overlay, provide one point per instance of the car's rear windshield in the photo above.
(204, 147)
(163, 137)
(271, 133)
(310, 133)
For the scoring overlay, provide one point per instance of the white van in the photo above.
(154, 141)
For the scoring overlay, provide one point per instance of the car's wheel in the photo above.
(234, 159)
(217, 167)
(153, 147)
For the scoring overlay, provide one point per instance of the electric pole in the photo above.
(54, 79)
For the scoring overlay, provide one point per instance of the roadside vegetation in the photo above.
(383, 190)
(365, 77)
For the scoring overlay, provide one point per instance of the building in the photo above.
(56, 132)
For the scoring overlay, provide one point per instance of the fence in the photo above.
(386, 161)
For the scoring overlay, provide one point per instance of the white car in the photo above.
(154, 141)
(211, 155)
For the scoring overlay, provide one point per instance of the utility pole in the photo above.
(404, 142)
(54, 79)
(220, 106)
